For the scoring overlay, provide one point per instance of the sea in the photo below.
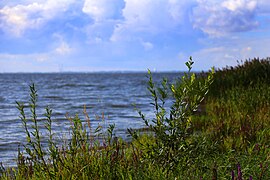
(107, 98)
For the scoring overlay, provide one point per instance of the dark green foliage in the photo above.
(237, 117)
(251, 73)
(241, 107)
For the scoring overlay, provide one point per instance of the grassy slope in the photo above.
(237, 118)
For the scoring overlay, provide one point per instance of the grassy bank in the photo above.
(228, 138)
(236, 119)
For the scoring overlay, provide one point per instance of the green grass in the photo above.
(228, 139)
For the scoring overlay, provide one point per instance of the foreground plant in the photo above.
(35, 152)
(82, 155)
(172, 129)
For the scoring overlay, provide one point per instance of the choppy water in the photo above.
(110, 93)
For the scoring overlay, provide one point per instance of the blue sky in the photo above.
(130, 35)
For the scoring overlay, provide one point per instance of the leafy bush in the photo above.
(172, 130)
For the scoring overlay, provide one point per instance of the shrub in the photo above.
(172, 129)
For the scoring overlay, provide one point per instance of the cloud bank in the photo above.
(218, 18)
(119, 33)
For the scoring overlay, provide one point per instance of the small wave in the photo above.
(57, 113)
(74, 85)
(120, 106)
(2, 99)
(8, 145)
(66, 85)
(7, 121)
(54, 97)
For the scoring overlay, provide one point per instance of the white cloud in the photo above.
(99, 32)
(105, 14)
(263, 7)
(133, 31)
(63, 49)
(215, 56)
(17, 19)
(218, 18)
(132, 20)
(101, 10)
(34, 62)
(150, 16)
(49, 60)
(227, 51)
(27, 66)
(234, 5)
(147, 45)
(35, 57)
(41, 57)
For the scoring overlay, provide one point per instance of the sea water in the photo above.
(115, 96)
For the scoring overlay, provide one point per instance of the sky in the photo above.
(130, 35)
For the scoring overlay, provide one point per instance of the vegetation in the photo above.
(217, 127)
